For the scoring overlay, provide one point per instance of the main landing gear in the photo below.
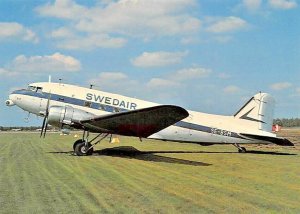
(240, 149)
(84, 147)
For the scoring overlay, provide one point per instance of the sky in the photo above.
(204, 55)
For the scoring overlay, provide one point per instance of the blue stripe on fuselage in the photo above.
(206, 129)
(108, 108)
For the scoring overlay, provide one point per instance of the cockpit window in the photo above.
(31, 88)
(39, 90)
(35, 89)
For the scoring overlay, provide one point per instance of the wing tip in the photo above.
(181, 111)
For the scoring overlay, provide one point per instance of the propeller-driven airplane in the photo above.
(66, 106)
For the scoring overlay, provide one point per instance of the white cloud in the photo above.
(3, 71)
(295, 94)
(159, 83)
(66, 9)
(67, 39)
(191, 73)
(49, 63)
(121, 83)
(10, 29)
(189, 40)
(231, 89)
(16, 30)
(7, 73)
(252, 4)
(280, 86)
(62, 32)
(90, 42)
(117, 82)
(139, 18)
(105, 2)
(112, 76)
(283, 4)
(227, 24)
(134, 18)
(158, 59)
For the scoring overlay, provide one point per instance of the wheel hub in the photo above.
(83, 149)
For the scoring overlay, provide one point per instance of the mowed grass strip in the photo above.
(43, 176)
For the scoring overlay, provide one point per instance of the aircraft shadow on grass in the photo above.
(133, 153)
(127, 150)
(268, 153)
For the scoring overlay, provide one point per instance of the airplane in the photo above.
(93, 111)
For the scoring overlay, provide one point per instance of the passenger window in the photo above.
(87, 104)
(116, 109)
(102, 107)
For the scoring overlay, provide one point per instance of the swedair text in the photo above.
(111, 101)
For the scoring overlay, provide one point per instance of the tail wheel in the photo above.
(82, 150)
(242, 150)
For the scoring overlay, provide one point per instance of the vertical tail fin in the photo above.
(258, 111)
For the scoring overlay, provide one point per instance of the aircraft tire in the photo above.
(77, 142)
(81, 150)
(242, 150)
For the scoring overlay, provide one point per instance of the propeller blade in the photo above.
(45, 121)
(47, 106)
(43, 126)
(46, 127)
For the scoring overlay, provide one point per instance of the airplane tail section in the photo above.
(258, 111)
(277, 140)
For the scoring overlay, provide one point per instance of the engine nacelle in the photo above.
(67, 115)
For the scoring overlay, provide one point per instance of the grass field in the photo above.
(42, 176)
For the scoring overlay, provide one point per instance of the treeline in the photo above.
(288, 122)
(29, 128)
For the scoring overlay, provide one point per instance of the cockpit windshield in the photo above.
(31, 88)
(35, 89)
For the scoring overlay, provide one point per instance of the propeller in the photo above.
(45, 121)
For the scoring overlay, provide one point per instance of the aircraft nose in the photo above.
(13, 96)
(12, 99)
(9, 103)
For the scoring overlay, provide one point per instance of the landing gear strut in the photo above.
(84, 147)
(240, 149)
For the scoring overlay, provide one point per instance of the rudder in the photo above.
(258, 111)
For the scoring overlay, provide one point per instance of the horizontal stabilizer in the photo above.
(276, 140)
(139, 123)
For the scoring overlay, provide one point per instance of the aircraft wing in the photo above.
(140, 123)
(276, 140)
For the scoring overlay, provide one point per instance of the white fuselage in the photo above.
(196, 128)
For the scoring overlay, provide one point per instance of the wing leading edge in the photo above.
(140, 123)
